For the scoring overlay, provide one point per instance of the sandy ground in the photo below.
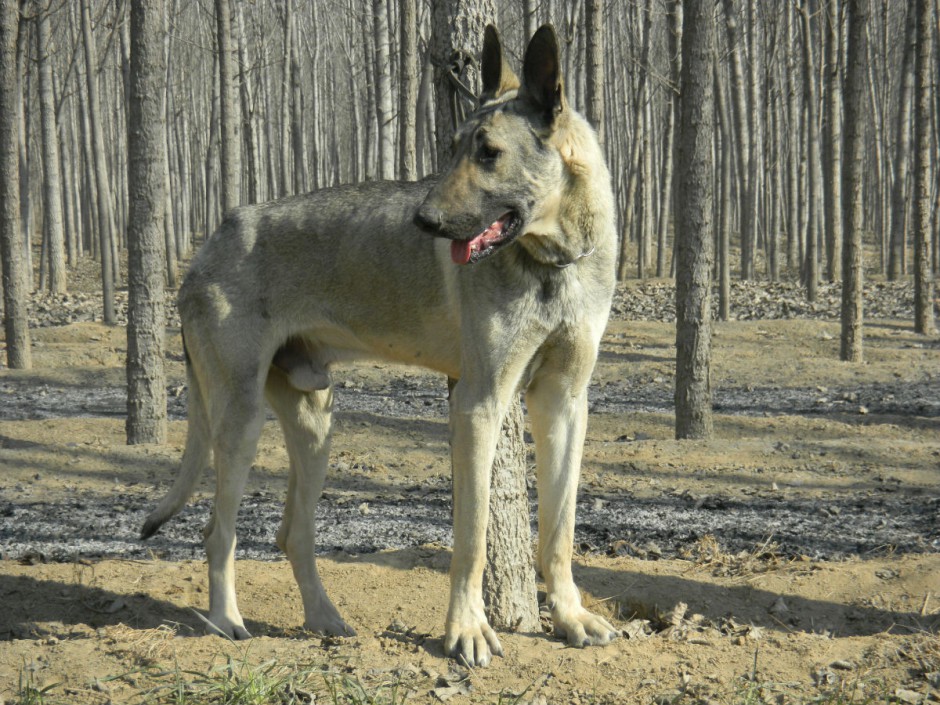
(709, 626)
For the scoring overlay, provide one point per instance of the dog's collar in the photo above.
(581, 256)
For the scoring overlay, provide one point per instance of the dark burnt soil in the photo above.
(360, 516)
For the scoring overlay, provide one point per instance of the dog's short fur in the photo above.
(514, 291)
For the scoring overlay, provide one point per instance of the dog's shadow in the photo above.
(37, 609)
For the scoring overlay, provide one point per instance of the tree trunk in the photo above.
(457, 31)
(694, 226)
(833, 157)
(15, 289)
(146, 179)
(408, 95)
(669, 134)
(383, 92)
(923, 277)
(739, 112)
(106, 226)
(53, 235)
(902, 161)
(724, 224)
(230, 148)
(811, 266)
(853, 174)
(594, 35)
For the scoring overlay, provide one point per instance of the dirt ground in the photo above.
(708, 625)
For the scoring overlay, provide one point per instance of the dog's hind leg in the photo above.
(305, 418)
(558, 411)
(238, 415)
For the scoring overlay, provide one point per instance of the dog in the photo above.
(499, 273)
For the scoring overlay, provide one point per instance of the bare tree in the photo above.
(594, 31)
(833, 140)
(53, 234)
(853, 175)
(146, 180)
(902, 158)
(811, 259)
(383, 90)
(15, 288)
(694, 227)
(230, 147)
(106, 226)
(923, 276)
(408, 93)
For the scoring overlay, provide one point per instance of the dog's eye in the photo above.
(489, 153)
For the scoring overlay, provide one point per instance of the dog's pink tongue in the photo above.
(460, 251)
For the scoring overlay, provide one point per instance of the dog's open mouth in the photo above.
(499, 233)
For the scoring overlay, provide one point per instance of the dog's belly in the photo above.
(436, 349)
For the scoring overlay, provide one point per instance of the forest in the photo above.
(333, 91)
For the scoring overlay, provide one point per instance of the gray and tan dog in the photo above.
(513, 292)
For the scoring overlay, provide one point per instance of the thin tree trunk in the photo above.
(408, 94)
(669, 134)
(694, 235)
(811, 267)
(833, 157)
(229, 146)
(146, 177)
(15, 290)
(103, 185)
(923, 277)
(594, 35)
(724, 225)
(739, 111)
(53, 235)
(853, 174)
(383, 92)
(902, 159)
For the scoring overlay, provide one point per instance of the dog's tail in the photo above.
(195, 459)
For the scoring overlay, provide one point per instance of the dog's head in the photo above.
(507, 178)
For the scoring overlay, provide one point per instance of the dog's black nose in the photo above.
(429, 218)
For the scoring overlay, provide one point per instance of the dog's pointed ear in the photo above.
(497, 76)
(542, 84)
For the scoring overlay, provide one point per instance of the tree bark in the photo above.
(146, 180)
(902, 159)
(53, 234)
(694, 234)
(106, 226)
(15, 290)
(739, 112)
(383, 92)
(229, 146)
(833, 156)
(594, 35)
(408, 94)
(853, 174)
(811, 265)
(924, 321)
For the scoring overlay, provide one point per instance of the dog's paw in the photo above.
(226, 628)
(582, 628)
(472, 642)
(330, 625)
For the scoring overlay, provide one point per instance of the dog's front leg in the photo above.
(559, 422)
(475, 424)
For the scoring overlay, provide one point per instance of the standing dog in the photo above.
(514, 291)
